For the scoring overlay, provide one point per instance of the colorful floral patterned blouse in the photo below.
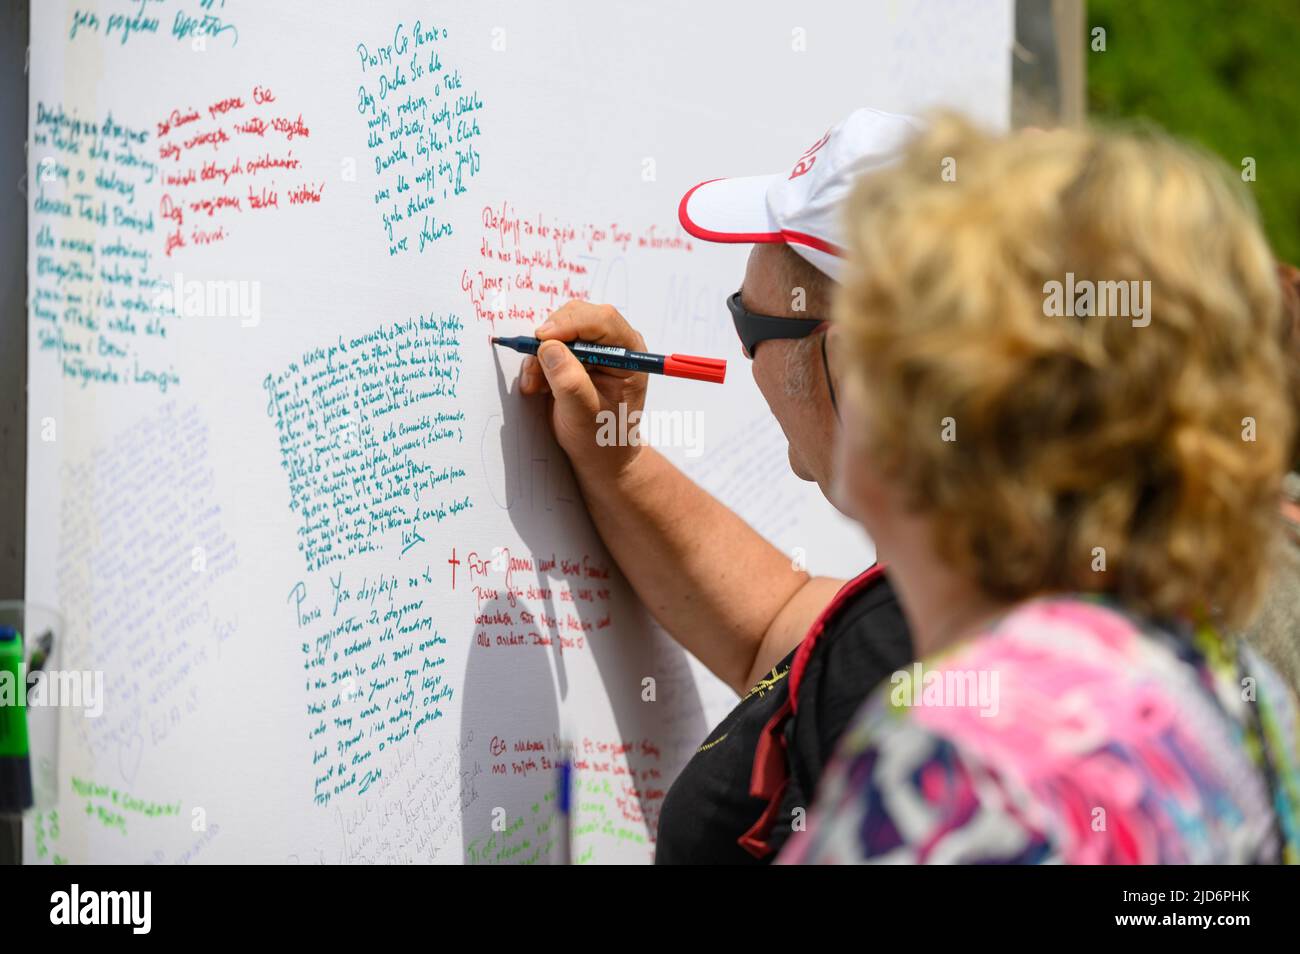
(1068, 732)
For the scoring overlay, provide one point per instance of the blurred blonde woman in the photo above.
(1073, 503)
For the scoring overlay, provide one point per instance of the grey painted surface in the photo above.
(14, 31)
(1044, 91)
(13, 294)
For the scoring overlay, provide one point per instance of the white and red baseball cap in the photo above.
(800, 207)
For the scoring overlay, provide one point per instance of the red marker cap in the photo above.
(700, 369)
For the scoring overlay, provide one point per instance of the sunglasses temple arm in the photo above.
(830, 385)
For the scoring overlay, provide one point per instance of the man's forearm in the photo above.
(709, 579)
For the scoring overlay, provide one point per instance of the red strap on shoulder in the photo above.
(771, 772)
(849, 590)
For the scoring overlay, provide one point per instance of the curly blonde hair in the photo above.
(1164, 444)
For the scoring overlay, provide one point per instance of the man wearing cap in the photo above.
(803, 652)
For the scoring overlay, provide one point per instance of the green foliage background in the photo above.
(1223, 73)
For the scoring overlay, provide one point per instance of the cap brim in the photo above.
(730, 210)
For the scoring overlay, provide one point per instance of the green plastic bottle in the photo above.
(15, 762)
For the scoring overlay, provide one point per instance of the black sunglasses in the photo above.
(755, 329)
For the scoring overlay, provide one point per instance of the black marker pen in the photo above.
(609, 356)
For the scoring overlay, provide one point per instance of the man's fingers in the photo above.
(531, 379)
(526, 374)
(570, 384)
(590, 322)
